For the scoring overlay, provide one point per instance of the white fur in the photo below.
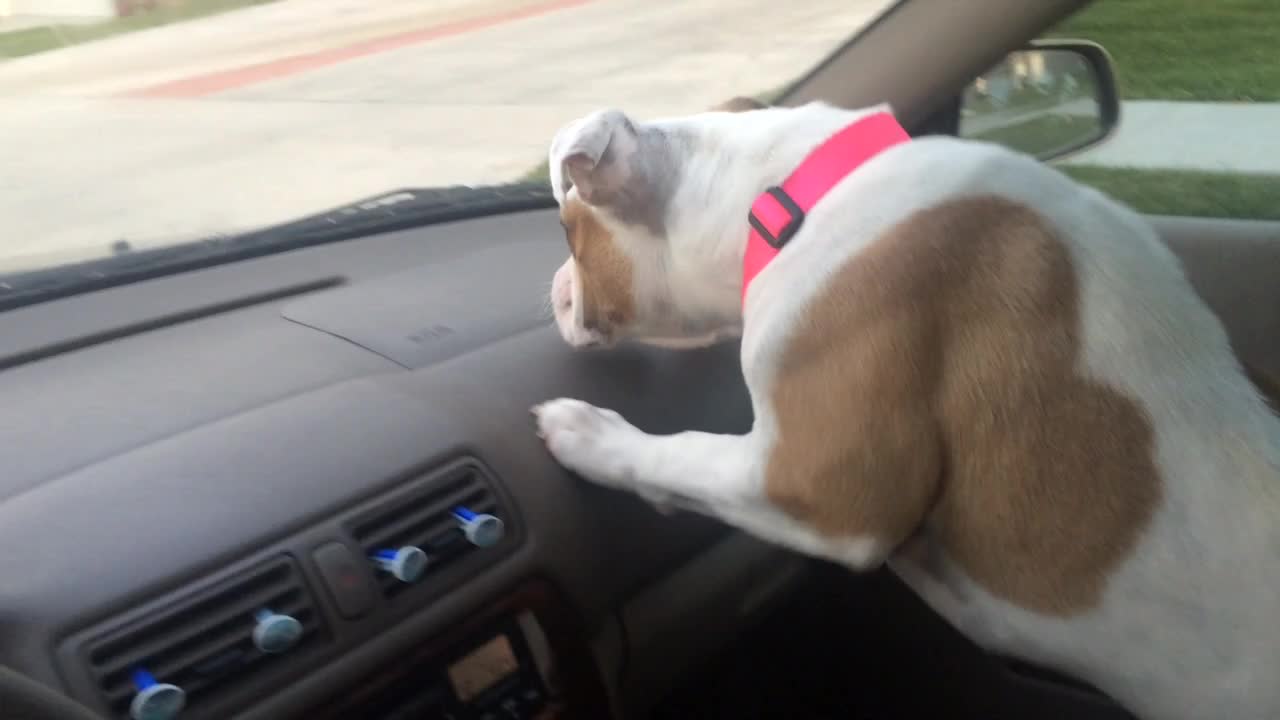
(1189, 626)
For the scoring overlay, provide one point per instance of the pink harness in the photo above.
(778, 213)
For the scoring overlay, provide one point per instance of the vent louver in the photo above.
(204, 644)
(423, 518)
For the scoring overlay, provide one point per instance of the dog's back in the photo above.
(1110, 494)
(964, 364)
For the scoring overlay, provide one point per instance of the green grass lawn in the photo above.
(1207, 50)
(1198, 50)
(1187, 193)
(1188, 50)
(51, 37)
(540, 174)
(1157, 192)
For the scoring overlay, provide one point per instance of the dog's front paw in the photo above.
(597, 444)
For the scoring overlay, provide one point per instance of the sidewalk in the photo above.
(1225, 137)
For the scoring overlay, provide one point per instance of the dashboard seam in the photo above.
(347, 340)
(44, 352)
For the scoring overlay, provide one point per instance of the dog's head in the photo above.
(638, 267)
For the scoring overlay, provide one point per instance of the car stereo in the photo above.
(491, 675)
(524, 656)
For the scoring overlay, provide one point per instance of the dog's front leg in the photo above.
(721, 476)
(705, 472)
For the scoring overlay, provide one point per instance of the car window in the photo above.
(1199, 83)
(135, 125)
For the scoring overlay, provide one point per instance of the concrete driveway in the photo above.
(269, 113)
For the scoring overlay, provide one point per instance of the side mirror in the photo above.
(1054, 98)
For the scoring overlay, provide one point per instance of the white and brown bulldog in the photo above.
(963, 364)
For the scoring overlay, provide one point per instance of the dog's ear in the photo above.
(597, 155)
(739, 104)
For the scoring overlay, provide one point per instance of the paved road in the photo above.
(262, 115)
(265, 114)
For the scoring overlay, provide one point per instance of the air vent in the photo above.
(424, 518)
(206, 643)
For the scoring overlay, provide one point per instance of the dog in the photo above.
(963, 365)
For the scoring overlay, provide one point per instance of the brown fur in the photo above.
(603, 269)
(932, 386)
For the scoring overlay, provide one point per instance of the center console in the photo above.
(522, 659)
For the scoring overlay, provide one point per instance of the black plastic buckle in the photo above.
(789, 229)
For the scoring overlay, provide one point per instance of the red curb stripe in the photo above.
(222, 80)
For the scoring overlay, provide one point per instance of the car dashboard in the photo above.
(307, 485)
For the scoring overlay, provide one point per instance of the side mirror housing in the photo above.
(1052, 99)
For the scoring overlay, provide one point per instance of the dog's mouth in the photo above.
(596, 342)
(580, 338)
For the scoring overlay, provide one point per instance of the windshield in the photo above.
(136, 124)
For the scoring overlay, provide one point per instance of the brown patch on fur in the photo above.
(603, 270)
(739, 104)
(933, 386)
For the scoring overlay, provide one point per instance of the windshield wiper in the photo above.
(397, 210)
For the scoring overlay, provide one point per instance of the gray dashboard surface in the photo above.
(170, 449)
(414, 319)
